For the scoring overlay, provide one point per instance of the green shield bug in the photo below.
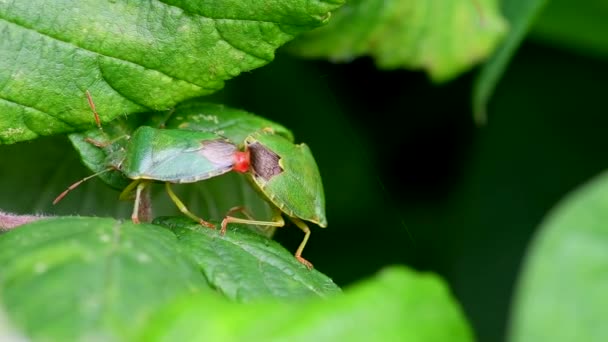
(283, 173)
(287, 176)
(201, 141)
(161, 155)
(233, 124)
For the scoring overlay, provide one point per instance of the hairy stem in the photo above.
(9, 221)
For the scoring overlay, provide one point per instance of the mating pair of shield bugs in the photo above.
(204, 141)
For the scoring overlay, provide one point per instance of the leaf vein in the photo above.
(49, 36)
(233, 19)
(219, 32)
(13, 102)
(303, 282)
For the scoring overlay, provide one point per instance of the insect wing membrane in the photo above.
(288, 175)
(177, 156)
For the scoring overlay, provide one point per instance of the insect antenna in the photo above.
(92, 105)
(75, 185)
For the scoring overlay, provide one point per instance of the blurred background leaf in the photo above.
(561, 294)
(581, 29)
(395, 305)
(521, 14)
(443, 38)
(131, 57)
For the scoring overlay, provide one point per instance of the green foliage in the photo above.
(245, 266)
(73, 278)
(521, 14)
(562, 290)
(582, 30)
(443, 38)
(147, 63)
(114, 281)
(384, 308)
(131, 56)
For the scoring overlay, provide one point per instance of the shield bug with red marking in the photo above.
(199, 141)
(283, 173)
(287, 176)
(155, 155)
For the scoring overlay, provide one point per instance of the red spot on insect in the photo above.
(241, 161)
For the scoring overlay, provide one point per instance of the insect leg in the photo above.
(276, 222)
(240, 209)
(102, 144)
(75, 185)
(135, 214)
(92, 105)
(306, 230)
(145, 205)
(182, 207)
(124, 195)
(166, 118)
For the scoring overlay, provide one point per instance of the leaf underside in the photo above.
(443, 38)
(131, 56)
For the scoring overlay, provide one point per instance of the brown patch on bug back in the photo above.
(264, 162)
(220, 152)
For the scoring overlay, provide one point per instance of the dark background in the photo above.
(411, 179)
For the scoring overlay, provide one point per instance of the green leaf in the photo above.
(8, 332)
(245, 266)
(521, 14)
(112, 276)
(396, 305)
(561, 294)
(581, 28)
(444, 38)
(86, 278)
(131, 56)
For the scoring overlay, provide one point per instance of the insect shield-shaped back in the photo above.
(231, 123)
(288, 176)
(177, 156)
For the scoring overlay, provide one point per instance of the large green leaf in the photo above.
(562, 291)
(521, 14)
(131, 55)
(77, 278)
(444, 37)
(396, 305)
(245, 266)
(110, 276)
